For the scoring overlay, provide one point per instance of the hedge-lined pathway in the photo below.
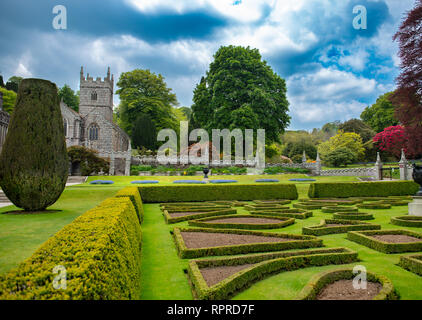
(162, 276)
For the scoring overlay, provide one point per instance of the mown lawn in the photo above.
(21, 235)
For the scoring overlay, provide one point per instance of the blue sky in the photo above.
(332, 70)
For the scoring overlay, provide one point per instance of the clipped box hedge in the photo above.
(321, 280)
(263, 266)
(298, 242)
(288, 213)
(334, 209)
(208, 222)
(374, 205)
(101, 251)
(412, 263)
(346, 225)
(365, 238)
(133, 194)
(210, 192)
(407, 221)
(362, 189)
(353, 216)
(200, 214)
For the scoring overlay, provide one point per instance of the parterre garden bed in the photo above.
(271, 264)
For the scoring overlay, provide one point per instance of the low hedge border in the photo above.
(207, 222)
(407, 221)
(334, 209)
(349, 225)
(307, 206)
(332, 202)
(362, 189)
(209, 192)
(135, 197)
(396, 203)
(321, 280)
(289, 213)
(364, 238)
(412, 263)
(101, 251)
(270, 202)
(203, 214)
(192, 204)
(264, 208)
(353, 216)
(199, 208)
(374, 206)
(298, 242)
(264, 266)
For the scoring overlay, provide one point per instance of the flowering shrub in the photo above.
(392, 140)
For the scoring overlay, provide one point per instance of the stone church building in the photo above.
(93, 126)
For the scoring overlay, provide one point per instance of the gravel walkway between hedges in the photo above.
(194, 240)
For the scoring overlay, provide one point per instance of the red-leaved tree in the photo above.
(392, 140)
(409, 92)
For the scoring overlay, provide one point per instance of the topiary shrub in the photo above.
(34, 162)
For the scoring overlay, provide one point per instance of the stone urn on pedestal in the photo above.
(206, 171)
(415, 208)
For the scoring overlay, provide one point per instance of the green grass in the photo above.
(21, 235)
(162, 270)
(163, 276)
(123, 181)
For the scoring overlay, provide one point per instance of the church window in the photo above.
(93, 132)
(93, 96)
(65, 127)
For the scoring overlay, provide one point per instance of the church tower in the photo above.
(96, 96)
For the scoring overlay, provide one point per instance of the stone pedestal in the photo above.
(415, 207)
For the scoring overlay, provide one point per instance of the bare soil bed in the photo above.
(343, 290)
(246, 220)
(396, 238)
(214, 275)
(194, 240)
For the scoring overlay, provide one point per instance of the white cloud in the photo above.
(327, 95)
(357, 61)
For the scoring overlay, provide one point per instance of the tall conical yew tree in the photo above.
(34, 161)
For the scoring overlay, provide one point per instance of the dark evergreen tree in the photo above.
(144, 133)
(34, 162)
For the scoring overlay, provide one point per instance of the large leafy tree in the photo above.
(34, 163)
(359, 127)
(13, 83)
(69, 97)
(144, 133)
(349, 140)
(9, 100)
(392, 140)
(241, 91)
(381, 114)
(409, 91)
(144, 92)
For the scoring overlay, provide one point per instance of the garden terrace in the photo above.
(332, 226)
(407, 221)
(413, 263)
(194, 243)
(252, 222)
(337, 285)
(220, 278)
(388, 241)
(353, 216)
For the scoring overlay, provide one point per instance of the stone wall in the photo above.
(350, 172)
